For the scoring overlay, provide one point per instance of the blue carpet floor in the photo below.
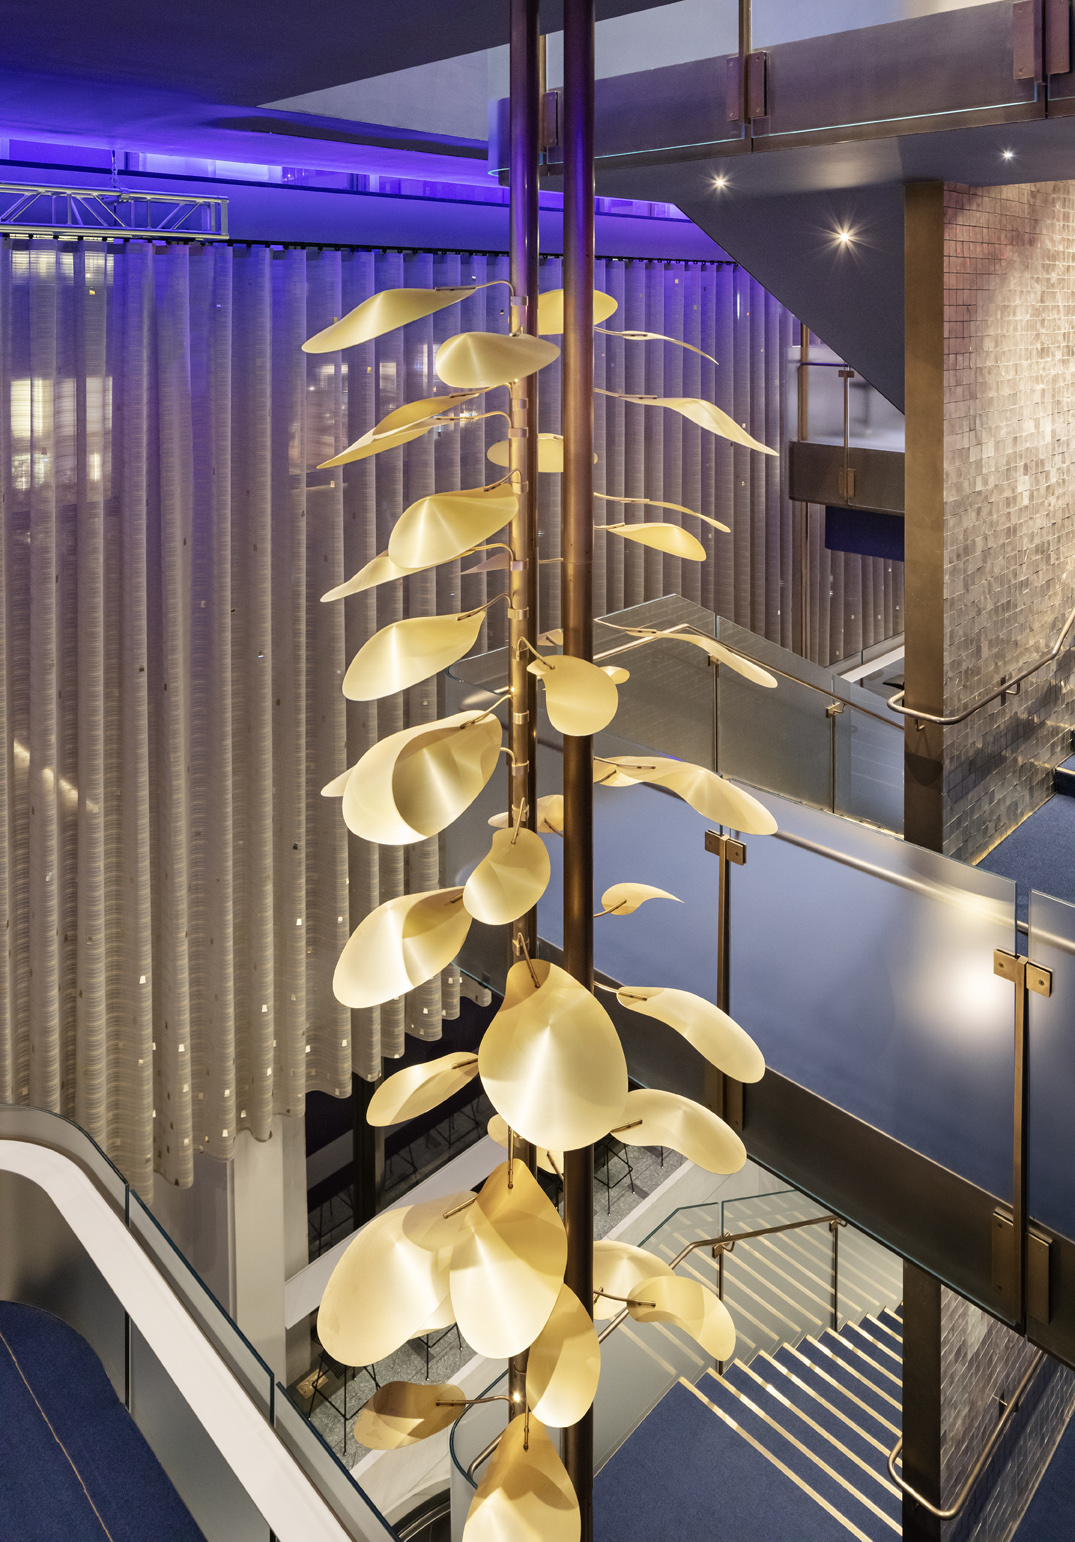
(74, 1466)
(733, 1492)
(1040, 854)
(1050, 1516)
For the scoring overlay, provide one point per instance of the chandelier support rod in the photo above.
(525, 108)
(577, 620)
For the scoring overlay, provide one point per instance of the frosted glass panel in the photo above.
(864, 968)
(1050, 1172)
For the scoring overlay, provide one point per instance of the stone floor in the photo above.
(331, 1395)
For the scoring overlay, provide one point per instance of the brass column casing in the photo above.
(802, 381)
(923, 798)
(523, 445)
(577, 621)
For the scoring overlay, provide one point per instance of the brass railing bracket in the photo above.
(727, 847)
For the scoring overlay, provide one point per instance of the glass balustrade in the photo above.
(1051, 1067)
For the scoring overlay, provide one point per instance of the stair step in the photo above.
(831, 1439)
(832, 1355)
(774, 1435)
(847, 1393)
(887, 1357)
(884, 1332)
(857, 1350)
(830, 1407)
(891, 1320)
(1064, 777)
(675, 1475)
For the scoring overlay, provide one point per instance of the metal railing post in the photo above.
(834, 1229)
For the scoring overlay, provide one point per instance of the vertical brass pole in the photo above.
(577, 621)
(1019, 1176)
(523, 442)
(802, 381)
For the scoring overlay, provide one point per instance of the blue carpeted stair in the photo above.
(802, 1435)
(74, 1467)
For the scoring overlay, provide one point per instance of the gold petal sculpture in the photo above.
(706, 792)
(695, 410)
(443, 526)
(549, 1161)
(477, 361)
(338, 786)
(418, 1088)
(499, 562)
(550, 452)
(379, 570)
(401, 944)
(617, 1268)
(405, 652)
(507, 1263)
(712, 1032)
(690, 1306)
(616, 673)
(717, 651)
(657, 337)
(564, 1364)
(526, 1494)
(549, 815)
(623, 899)
(658, 1118)
(400, 426)
(551, 1060)
(412, 784)
(551, 310)
(510, 879)
(579, 697)
(390, 1281)
(658, 503)
(385, 312)
(401, 1413)
(672, 539)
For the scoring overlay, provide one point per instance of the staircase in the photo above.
(793, 1444)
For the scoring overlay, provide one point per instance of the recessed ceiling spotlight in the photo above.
(720, 181)
(844, 235)
(1007, 155)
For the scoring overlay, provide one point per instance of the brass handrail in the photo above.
(725, 1243)
(1009, 688)
(976, 1471)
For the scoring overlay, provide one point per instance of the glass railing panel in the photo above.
(789, 21)
(885, 1001)
(236, 1350)
(17, 1122)
(1050, 1171)
(868, 758)
(780, 740)
(353, 1507)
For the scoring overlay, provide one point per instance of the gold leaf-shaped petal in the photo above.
(526, 1494)
(659, 503)
(717, 651)
(616, 674)
(338, 786)
(443, 526)
(401, 1413)
(667, 1119)
(499, 562)
(363, 448)
(579, 697)
(477, 361)
(414, 783)
(390, 1281)
(617, 1268)
(418, 1088)
(712, 1032)
(379, 570)
(659, 337)
(550, 452)
(549, 815)
(690, 1306)
(550, 322)
(564, 1364)
(623, 899)
(549, 1161)
(510, 879)
(551, 1060)
(400, 426)
(672, 539)
(383, 313)
(705, 414)
(706, 792)
(507, 1264)
(443, 1317)
(405, 652)
(401, 944)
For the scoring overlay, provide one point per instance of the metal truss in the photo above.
(116, 212)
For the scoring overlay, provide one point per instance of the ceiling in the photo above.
(248, 53)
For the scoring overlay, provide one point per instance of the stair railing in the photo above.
(721, 1245)
(980, 1465)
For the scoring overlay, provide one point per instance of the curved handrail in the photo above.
(979, 1466)
(1008, 688)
